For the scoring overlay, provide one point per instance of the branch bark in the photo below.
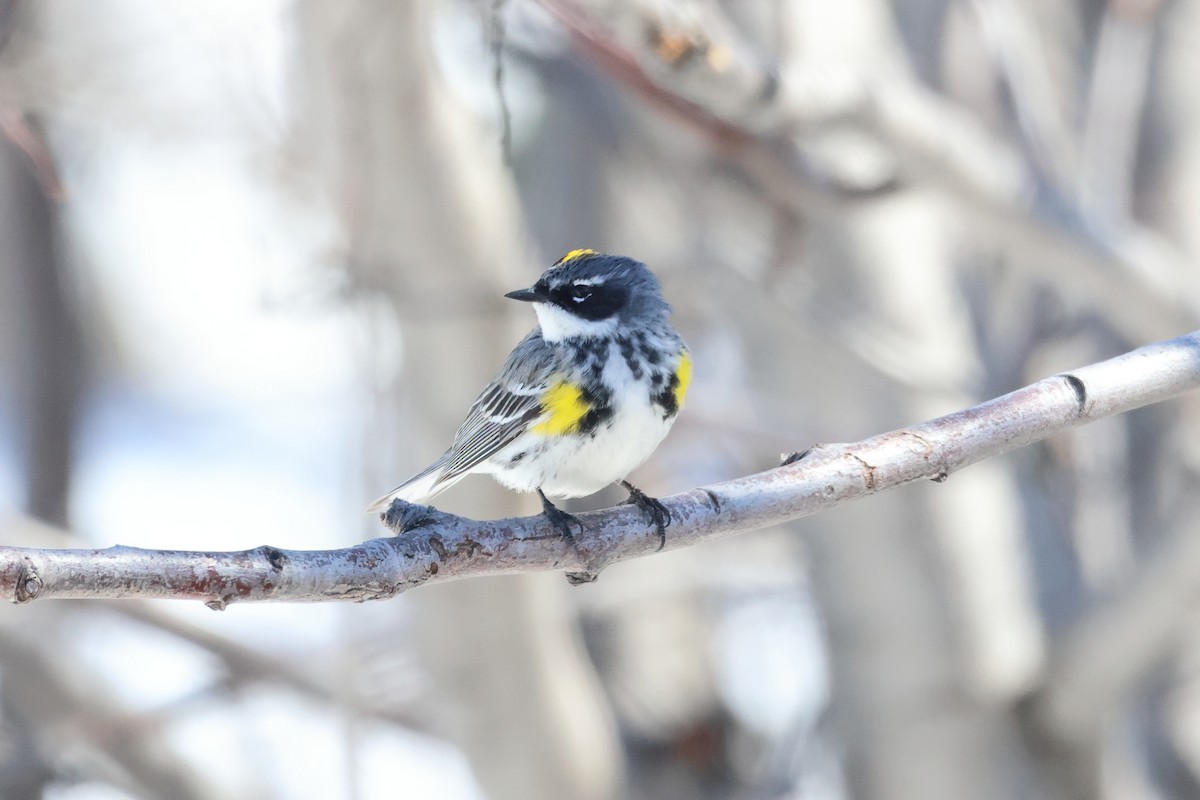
(432, 546)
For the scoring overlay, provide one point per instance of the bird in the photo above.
(581, 401)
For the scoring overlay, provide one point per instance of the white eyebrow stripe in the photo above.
(589, 282)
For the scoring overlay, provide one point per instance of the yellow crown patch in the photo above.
(574, 254)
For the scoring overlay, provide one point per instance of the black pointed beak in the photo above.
(527, 295)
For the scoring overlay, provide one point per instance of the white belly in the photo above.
(587, 465)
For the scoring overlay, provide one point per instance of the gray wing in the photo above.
(506, 407)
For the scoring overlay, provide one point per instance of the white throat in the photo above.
(557, 324)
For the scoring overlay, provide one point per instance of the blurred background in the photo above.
(251, 265)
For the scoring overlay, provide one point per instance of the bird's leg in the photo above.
(561, 520)
(652, 508)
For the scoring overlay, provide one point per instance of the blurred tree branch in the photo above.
(53, 354)
(1094, 668)
(8, 9)
(693, 65)
(432, 546)
(247, 665)
(137, 759)
(27, 136)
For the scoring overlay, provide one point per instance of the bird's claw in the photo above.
(652, 508)
(562, 521)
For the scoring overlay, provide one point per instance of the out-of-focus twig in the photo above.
(248, 665)
(694, 67)
(28, 137)
(1116, 96)
(135, 757)
(1021, 64)
(432, 546)
(50, 337)
(1094, 668)
(8, 12)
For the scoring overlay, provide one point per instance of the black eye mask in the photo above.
(591, 302)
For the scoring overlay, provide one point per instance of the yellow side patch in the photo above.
(564, 407)
(683, 378)
(574, 254)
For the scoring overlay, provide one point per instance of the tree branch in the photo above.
(432, 546)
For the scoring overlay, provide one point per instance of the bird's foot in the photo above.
(562, 523)
(561, 520)
(652, 508)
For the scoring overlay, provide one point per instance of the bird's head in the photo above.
(587, 293)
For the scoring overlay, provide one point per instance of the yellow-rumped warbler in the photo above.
(584, 399)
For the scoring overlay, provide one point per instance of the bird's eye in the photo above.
(580, 292)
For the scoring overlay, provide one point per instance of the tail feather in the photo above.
(424, 486)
